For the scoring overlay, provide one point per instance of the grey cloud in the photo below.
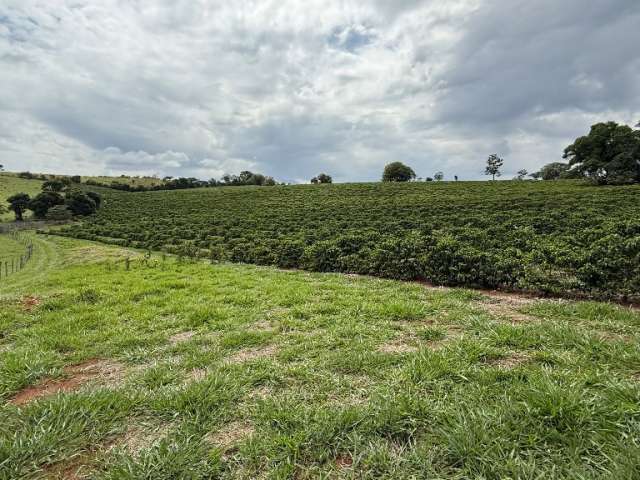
(294, 88)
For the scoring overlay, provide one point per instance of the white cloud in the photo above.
(293, 88)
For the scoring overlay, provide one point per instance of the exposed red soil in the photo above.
(75, 377)
(344, 461)
(29, 302)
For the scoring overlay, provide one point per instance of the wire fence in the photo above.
(13, 263)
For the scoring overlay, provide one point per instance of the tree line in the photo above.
(608, 154)
(57, 201)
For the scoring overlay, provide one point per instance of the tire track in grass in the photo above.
(45, 257)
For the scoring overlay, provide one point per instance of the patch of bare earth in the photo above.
(75, 468)
(29, 302)
(506, 305)
(344, 461)
(397, 346)
(409, 343)
(262, 326)
(140, 437)
(252, 353)
(261, 392)
(75, 376)
(510, 361)
(227, 438)
(181, 337)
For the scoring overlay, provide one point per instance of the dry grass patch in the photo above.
(505, 305)
(102, 371)
(397, 346)
(253, 353)
(142, 436)
(230, 435)
(510, 361)
(181, 337)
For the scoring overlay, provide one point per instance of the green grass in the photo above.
(237, 371)
(10, 184)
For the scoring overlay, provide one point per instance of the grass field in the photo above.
(10, 184)
(560, 238)
(189, 370)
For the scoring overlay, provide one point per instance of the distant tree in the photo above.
(551, 171)
(269, 182)
(41, 203)
(80, 203)
(455, 177)
(76, 179)
(398, 172)
(494, 164)
(18, 203)
(521, 174)
(438, 177)
(609, 154)
(96, 198)
(428, 179)
(27, 175)
(53, 186)
(322, 178)
(59, 212)
(1, 168)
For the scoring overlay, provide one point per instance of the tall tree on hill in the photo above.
(398, 172)
(494, 164)
(322, 178)
(609, 154)
(18, 203)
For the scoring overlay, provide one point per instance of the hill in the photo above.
(11, 184)
(155, 368)
(562, 238)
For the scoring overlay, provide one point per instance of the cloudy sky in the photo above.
(292, 88)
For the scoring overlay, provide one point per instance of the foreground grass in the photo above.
(173, 370)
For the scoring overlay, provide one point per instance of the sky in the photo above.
(292, 88)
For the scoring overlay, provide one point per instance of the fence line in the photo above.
(14, 264)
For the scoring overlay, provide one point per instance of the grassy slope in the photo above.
(286, 374)
(10, 184)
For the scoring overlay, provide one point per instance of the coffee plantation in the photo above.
(560, 238)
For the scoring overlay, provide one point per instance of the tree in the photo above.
(494, 163)
(609, 154)
(53, 186)
(521, 174)
(322, 178)
(398, 172)
(18, 203)
(41, 203)
(76, 179)
(1, 168)
(59, 212)
(80, 203)
(455, 177)
(96, 198)
(269, 182)
(438, 177)
(551, 171)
